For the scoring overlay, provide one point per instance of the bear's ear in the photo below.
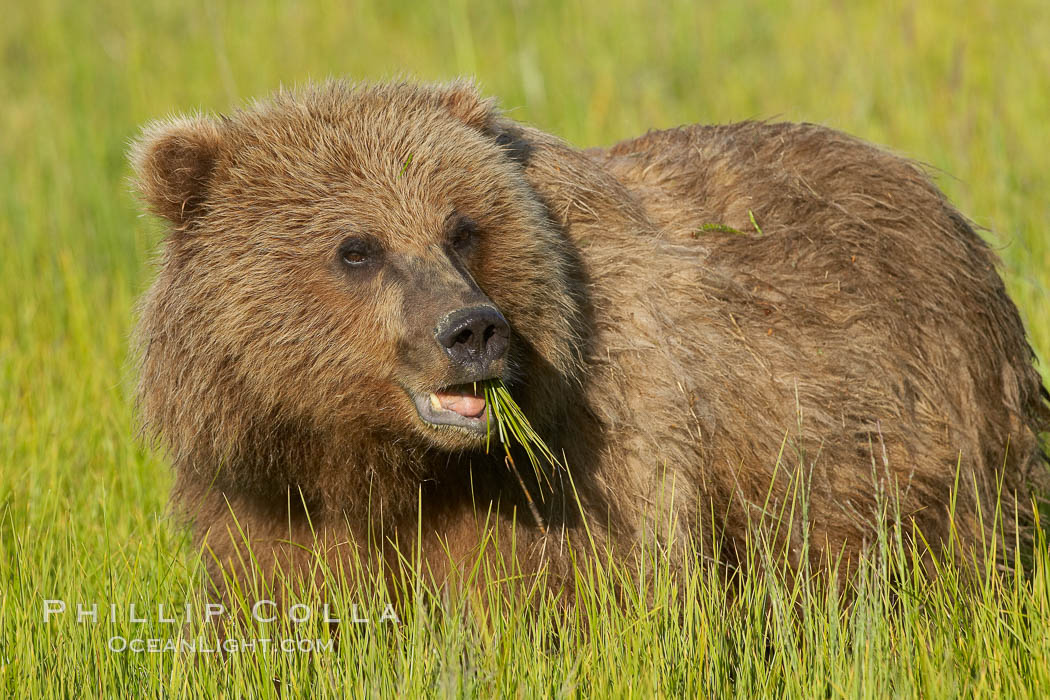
(461, 98)
(173, 162)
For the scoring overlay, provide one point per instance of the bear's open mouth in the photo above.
(461, 406)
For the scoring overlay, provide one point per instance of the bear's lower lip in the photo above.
(458, 406)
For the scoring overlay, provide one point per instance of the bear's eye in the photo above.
(357, 252)
(462, 234)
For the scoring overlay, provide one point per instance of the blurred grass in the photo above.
(964, 87)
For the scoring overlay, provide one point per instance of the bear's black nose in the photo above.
(475, 337)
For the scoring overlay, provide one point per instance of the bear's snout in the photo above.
(476, 338)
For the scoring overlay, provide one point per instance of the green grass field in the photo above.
(962, 87)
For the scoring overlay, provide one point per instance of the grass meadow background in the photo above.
(964, 87)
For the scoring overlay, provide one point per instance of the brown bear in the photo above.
(705, 323)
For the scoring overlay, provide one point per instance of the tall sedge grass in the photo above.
(639, 627)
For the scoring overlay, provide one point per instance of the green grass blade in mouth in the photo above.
(513, 425)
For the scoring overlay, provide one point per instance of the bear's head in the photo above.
(343, 264)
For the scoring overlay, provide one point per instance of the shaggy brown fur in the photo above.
(842, 333)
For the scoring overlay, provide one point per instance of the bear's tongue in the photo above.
(466, 405)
